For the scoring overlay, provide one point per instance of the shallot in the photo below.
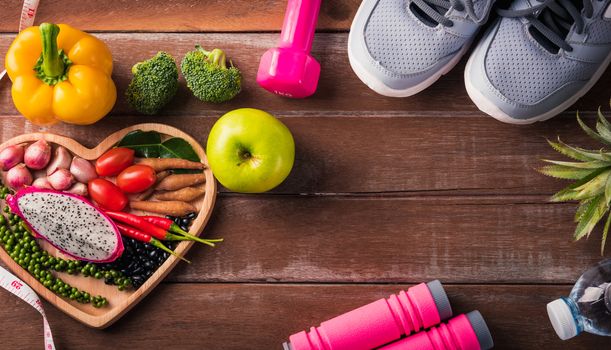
(42, 182)
(61, 160)
(18, 176)
(37, 155)
(61, 179)
(82, 170)
(11, 156)
(78, 188)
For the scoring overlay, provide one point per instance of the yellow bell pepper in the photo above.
(60, 74)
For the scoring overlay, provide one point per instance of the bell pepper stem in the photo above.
(52, 63)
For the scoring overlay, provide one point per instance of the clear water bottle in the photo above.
(588, 307)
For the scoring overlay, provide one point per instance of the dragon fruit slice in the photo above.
(69, 222)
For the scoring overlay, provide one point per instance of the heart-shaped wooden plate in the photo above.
(119, 301)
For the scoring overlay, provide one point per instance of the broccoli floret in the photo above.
(208, 76)
(154, 84)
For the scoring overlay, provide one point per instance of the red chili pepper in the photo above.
(139, 223)
(170, 226)
(146, 238)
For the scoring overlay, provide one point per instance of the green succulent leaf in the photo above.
(591, 132)
(591, 171)
(564, 172)
(568, 193)
(593, 187)
(595, 164)
(583, 205)
(577, 153)
(605, 232)
(608, 190)
(603, 130)
(595, 210)
(602, 119)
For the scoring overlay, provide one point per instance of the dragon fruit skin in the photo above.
(13, 203)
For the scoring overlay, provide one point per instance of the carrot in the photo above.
(186, 194)
(160, 164)
(173, 208)
(178, 181)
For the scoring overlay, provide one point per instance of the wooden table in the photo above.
(385, 193)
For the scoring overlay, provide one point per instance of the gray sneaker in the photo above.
(539, 58)
(400, 47)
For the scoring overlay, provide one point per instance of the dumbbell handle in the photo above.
(299, 24)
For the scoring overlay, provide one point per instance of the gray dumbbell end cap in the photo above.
(441, 299)
(481, 330)
(287, 346)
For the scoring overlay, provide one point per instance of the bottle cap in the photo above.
(441, 299)
(562, 319)
(481, 330)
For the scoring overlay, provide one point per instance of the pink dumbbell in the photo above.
(463, 332)
(289, 70)
(378, 323)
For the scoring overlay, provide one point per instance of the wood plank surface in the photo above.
(329, 239)
(386, 154)
(254, 316)
(385, 192)
(339, 89)
(176, 15)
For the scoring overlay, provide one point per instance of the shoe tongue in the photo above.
(557, 19)
(425, 18)
(479, 6)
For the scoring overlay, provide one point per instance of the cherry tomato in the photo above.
(107, 195)
(136, 179)
(114, 161)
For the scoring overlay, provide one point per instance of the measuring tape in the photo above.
(28, 12)
(9, 281)
(16, 286)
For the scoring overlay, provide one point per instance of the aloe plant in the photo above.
(591, 170)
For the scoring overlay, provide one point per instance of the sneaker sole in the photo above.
(488, 107)
(378, 86)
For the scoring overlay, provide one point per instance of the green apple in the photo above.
(250, 151)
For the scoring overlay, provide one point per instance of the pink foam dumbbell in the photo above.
(289, 70)
(378, 323)
(463, 332)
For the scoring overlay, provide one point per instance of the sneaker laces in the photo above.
(436, 10)
(553, 20)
